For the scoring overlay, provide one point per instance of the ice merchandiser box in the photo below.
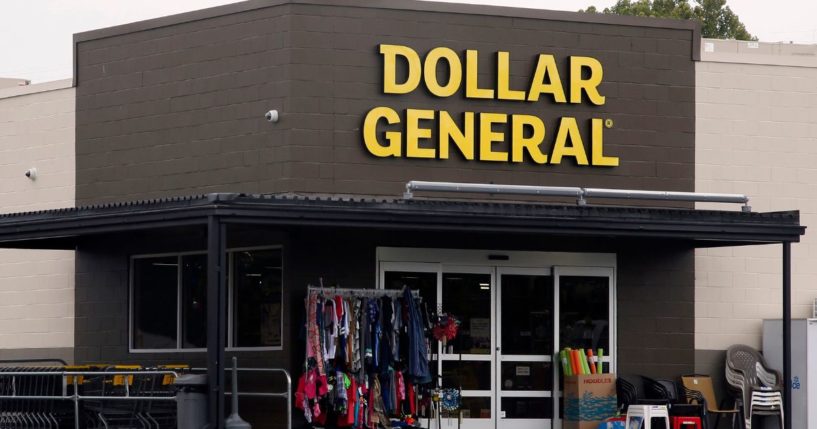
(804, 366)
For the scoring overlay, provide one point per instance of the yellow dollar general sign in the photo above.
(473, 136)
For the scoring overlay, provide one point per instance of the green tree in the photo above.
(716, 18)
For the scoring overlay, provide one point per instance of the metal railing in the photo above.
(21, 386)
(24, 395)
(580, 194)
(287, 394)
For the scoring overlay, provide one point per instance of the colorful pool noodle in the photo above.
(578, 357)
(591, 361)
(583, 362)
(563, 358)
(601, 362)
(577, 367)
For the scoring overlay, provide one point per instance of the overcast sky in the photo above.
(35, 35)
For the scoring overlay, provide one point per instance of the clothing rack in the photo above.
(391, 293)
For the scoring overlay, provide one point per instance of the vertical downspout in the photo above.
(216, 319)
(787, 333)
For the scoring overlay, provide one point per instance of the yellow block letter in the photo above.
(390, 53)
(503, 78)
(462, 137)
(569, 130)
(370, 132)
(430, 72)
(546, 68)
(520, 143)
(590, 86)
(414, 133)
(472, 89)
(598, 146)
(487, 136)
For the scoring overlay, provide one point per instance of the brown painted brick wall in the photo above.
(179, 109)
(656, 309)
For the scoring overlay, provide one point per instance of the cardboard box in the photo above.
(589, 399)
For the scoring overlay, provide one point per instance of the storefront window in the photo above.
(194, 300)
(155, 302)
(257, 298)
(468, 296)
(425, 283)
(169, 293)
(585, 312)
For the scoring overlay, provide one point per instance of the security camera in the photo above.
(31, 173)
(272, 116)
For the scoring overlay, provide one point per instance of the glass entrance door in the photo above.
(524, 338)
(585, 312)
(513, 321)
(467, 362)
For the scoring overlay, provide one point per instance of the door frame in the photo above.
(497, 262)
(499, 355)
(611, 358)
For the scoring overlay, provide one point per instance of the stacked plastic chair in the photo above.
(759, 388)
(669, 391)
(643, 399)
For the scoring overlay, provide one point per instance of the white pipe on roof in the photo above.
(581, 194)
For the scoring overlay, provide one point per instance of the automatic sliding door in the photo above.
(525, 339)
(467, 361)
(586, 313)
(513, 320)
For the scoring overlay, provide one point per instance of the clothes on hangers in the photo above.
(366, 354)
(417, 370)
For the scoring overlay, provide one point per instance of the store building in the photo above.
(177, 166)
(755, 134)
(36, 286)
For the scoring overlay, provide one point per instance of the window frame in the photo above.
(179, 294)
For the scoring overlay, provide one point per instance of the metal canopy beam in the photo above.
(708, 233)
(216, 318)
(76, 226)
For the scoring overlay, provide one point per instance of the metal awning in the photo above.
(706, 228)
(64, 228)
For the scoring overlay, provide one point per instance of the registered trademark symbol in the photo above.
(608, 123)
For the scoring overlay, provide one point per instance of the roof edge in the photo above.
(411, 5)
(35, 88)
(619, 221)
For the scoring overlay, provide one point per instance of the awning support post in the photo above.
(787, 333)
(216, 319)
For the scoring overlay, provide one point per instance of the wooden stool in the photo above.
(645, 414)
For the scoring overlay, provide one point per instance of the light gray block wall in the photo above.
(756, 134)
(37, 287)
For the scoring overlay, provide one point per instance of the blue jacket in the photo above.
(418, 371)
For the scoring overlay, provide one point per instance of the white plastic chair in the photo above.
(642, 415)
(760, 387)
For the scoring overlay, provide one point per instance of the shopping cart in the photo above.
(129, 397)
(33, 398)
